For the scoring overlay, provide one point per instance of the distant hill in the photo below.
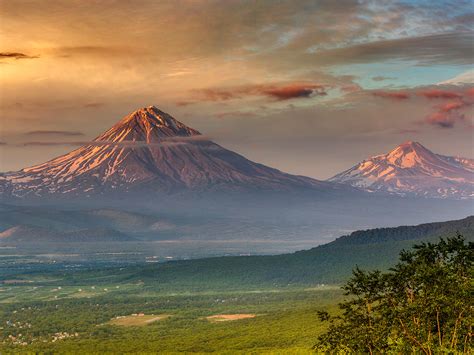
(329, 263)
(34, 234)
(406, 233)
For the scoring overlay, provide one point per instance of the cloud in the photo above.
(449, 113)
(452, 102)
(16, 55)
(219, 94)
(454, 105)
(382, 78)
(441, 48)
(461, 79)
(54, 133)
(235, 114)
(93, 51)
(395, 95)
(126, 144)
(94, 105)
(184, 103)
(354, 87)
(408, 131)
(50, 144)
(439, 94)
(294, 91)
(226, 45)
(444, 119)
(276, 92)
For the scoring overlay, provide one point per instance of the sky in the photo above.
(308, 87)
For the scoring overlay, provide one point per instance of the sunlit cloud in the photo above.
(54, 133)
(16, 55)
(382, 78)
(278, 92)
(235, 114)
(94, 104)
(444, 119)
(395, 95)
(311, 66)
(439, 94)
(165, 141)
(450, 106)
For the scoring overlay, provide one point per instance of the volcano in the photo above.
(149, 151)
(412, 169)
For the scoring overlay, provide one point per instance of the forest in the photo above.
(421, 304)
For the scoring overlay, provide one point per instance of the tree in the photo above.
(423, 305)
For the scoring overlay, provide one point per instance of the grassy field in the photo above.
(106, 315)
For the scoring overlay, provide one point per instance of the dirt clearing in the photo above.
(230, 317)
(137, 320)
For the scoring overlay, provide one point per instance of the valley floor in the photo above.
(44, 314)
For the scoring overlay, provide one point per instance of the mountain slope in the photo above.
(328, 263)
(411, 169)
(149, 150)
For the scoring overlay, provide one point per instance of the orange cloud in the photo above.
(395, 95)
(445, 115)
(54, 133)
(279, 92)
(448, 113)
(439, 94)
(444, 119)
(470, 92)
(16, 55)
(449, 106)
(294, 91)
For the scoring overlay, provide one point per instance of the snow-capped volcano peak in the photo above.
(409, 146)
(411, 168)
(148, 124)
(148, 151)
(409, 154)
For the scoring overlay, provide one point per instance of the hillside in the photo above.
(31, 234)
(326, 264)
(329, 263)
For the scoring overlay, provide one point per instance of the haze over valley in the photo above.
(154, 186)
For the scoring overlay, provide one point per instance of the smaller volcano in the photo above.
(412, 169)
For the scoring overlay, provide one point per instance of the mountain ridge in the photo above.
(325, 264)
(328, 263)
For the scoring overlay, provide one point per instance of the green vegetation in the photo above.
(61, 309)
(331, 263)
(286, 321)
(423, 305)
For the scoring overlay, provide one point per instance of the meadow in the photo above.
(41, 315)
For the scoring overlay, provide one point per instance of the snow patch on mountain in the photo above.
(148, 151)
(412, 169)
